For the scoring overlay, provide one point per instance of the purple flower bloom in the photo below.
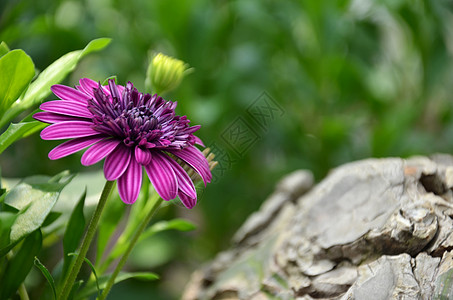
(130, 130)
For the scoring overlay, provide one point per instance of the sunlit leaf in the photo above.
(47, 275)
(90, 288)
(53, 74)
(18, 131)
(34, 196)
(20, 264)
(17, 70)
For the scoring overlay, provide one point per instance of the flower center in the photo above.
(138, 124)
(139, 119)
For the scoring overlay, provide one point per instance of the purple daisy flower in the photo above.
(130, 130)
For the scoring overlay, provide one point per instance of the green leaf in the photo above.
(106, 81)
(75, 288)
(34, 197)
(2, 190)
(3, 49)
(90, 288)
(17, 70)
(18, 131)
(18, 267)
(93, 269)
(46, 274)
(175, 224)
(73, 233)
(6, 222)
(96, 45)
(52, 217)
(53, 74)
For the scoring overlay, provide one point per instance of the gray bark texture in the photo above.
(372, 229)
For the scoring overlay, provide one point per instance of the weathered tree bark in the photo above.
(373, 229)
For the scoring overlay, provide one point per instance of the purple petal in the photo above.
(187, 201)
(68, 93)
(143, 157)
(185, 184)
(98, 151)
(87, 85)
(120, 89)
(48, 117)
(198, 141)
(68, 130)
(69, 108)
(194, 158)
(106, 90)
(117, 162)
(162, 176)
(192, 129)
(72, 146)
(130, 182)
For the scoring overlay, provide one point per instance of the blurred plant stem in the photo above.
(69, 281)
(154, 205)
(23, 292)
(138, 213)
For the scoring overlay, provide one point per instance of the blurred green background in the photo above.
(352, 79)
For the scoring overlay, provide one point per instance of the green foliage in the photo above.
(18, 266)
(3, 49)
(7, 220)
(34, 198)
(93, 270)
(18, 95)
(17, 131)
(175, 224)
(17, 72)
(110, 221)
(91, 288)
(73, 233)
(55, 73)
(51, 218)
(106, 81)
(47, 275)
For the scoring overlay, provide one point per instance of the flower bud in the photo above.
(164, 73)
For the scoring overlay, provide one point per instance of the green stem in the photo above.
(138, 212)
(70, 279)
(23, 292)
(155, 205)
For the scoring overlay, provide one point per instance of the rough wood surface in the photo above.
(373, 229)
